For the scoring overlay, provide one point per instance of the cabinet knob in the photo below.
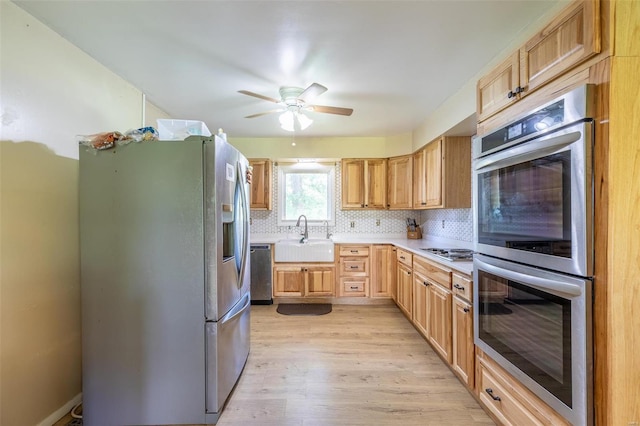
(519, 89)
(423, 204)
(466, 309)
(510, 94)
(490, 392)
(426, 284)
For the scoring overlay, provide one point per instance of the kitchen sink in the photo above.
(311, 250)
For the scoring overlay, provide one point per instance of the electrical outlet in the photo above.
(250, 221)
(443, 224)
(377, 222)
(352, 224)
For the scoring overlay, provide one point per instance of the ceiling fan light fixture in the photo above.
(303, 120)
(287, 121)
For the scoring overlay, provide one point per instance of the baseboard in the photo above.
(62, 411)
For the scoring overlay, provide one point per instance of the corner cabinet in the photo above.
(442, 174)
(400, 178)
(261, 184)
(364, 183)
(567, 41)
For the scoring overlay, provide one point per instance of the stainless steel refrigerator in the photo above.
(165, 279)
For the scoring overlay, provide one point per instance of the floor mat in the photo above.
(304, 308)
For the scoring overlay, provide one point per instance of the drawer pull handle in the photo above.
(353, 267)
(354, 287)
(402, 257)
(490, 392)
(458, 286)
(354, 251)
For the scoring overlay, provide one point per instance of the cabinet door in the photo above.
(420, 302)
(382, 271)
(419, 180)
(433, 174)
(495, 91)
(463, 348)
(405, 290)
(571, 38)
(260, 184)
(376, 184)
(400, 188)
(353, 184)
(320, 281)
(393, 266)
(439, 323)
(288, 281)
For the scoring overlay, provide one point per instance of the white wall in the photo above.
(50, 92)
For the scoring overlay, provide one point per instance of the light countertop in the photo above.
(413, 246)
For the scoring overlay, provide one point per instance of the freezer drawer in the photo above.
(227, 352)
(261, 284)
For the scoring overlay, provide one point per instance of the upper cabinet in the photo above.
(570, 39)
(400, 171)
(442, 174)
(364, 183)
(261, 184)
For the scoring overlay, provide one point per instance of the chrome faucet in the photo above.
(326, 222)
(305, 234)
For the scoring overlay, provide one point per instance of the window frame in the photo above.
(329, 169)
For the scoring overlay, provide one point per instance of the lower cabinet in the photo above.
(382, 270)
(404, 298)
(439, 321)
(508, 400)
(463, 347)
(303, 280)
(420, 303)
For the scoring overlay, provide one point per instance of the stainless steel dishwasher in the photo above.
(261, 286)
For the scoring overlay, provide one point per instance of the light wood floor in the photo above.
(358, 365)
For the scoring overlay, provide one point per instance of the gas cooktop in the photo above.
(453, 254)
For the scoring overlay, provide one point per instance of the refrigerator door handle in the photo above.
(245, 222)
(240, 307)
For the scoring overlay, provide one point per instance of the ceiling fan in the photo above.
(293, 102)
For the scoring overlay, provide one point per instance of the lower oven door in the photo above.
(537, 325)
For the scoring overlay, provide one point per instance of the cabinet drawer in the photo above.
(354, 287)
(432, 270)
(506, 408)
(404, 257)
(510, 401)
(462, 286)
(354, 250)
(355, 266)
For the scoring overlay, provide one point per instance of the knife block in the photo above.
(414, 235)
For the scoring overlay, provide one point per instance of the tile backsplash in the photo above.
(369, 221)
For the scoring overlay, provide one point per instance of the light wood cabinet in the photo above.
(394, 274)
(567, 41)
(303, 280)
(509, 401)
(405, 289)
(463, 361)
(382, 270)
(400, 178)
(442, 174)
(364, 184)
(261, 184)
(420, 303)
(439, 321)
(353, 265)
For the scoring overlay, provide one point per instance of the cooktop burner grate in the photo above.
(450, 253)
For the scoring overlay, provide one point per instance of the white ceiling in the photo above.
(393, 62)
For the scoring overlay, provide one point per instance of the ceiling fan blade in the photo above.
(264, 113)
(331, 110)
(259, 96)
(312, 91)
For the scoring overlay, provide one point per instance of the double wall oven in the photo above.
(533, 231)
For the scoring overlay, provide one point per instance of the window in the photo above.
(308, 189)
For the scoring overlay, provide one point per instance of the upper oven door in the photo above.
(533, 201)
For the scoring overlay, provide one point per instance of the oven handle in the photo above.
(544, 284)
